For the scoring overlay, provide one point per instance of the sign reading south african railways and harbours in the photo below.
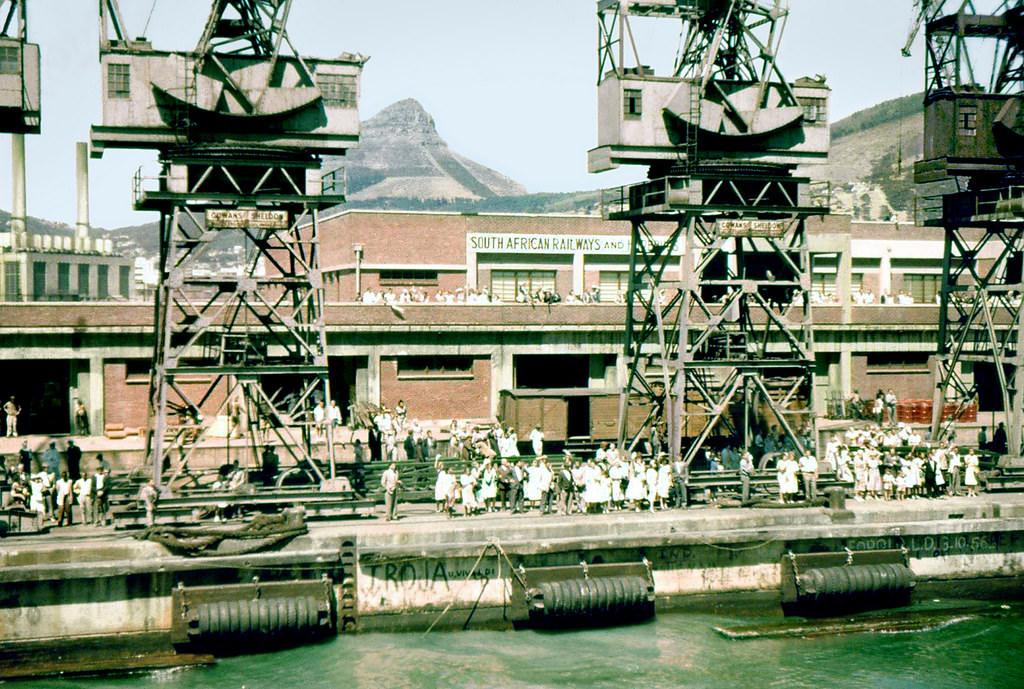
(241, 218)
(548, 244)
(752, 228)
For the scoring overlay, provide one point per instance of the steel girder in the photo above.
(250, 343)
(979, 321)
(729, 340)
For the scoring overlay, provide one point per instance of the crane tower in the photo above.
(973, 153)
(239, 123)
(718, 332)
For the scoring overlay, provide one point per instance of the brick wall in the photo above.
(126, 398)
(439, 398)
(910, 383)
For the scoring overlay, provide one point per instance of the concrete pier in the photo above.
(85, 582)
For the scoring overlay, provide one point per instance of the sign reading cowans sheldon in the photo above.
(548, 244)
(242, 218)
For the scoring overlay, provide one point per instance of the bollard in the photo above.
(836, 498)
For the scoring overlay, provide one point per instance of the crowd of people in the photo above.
(606, 483)
(893, 463)
(52, 485)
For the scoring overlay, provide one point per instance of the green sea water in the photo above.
(674, 650)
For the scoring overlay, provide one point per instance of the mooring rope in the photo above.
(456, 595)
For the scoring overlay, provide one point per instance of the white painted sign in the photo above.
(241, 218)
(752, 228)
(610, 245)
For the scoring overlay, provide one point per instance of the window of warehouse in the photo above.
(408, 277)
(435, 366)
(339, 90)
(923, 288)
(505, 284)
(823, 274)
(118, 81)
(613, 285)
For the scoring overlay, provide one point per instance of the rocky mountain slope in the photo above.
(401, 156)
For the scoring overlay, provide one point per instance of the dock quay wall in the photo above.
(461, 573)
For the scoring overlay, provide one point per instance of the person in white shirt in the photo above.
(537, 441)
(64, 499)
(333, 417)
(319, 419)
(809, 472)
(83, 489)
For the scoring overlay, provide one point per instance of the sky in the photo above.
(510, 85)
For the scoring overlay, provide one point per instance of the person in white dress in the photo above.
(488, 485)
(664, 483)
(591, 486)
(971, 474)
(441, 486)
(635, 490)
(468, 483)
(651, 481)
(617, 474)
(532, 490)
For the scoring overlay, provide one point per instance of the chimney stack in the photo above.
(82, 181)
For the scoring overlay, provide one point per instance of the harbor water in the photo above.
(974, 649)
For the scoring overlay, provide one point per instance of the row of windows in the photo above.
(506, 284)
(923, 288)
(434, 366)
(408, 277)
(39, 281)
(339, 90)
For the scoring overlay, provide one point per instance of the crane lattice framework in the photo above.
(239, 123)
(718, 332)
(974, 136)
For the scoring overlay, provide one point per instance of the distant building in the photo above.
(43, 267)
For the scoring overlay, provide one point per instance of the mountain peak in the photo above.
(406, 117)
(401, 156)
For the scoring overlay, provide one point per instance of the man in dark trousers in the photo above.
(518, 477)
(504, 477)
(74, 458)
(25, 455)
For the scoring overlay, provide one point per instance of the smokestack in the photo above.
(82, 181)
(18, 202)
